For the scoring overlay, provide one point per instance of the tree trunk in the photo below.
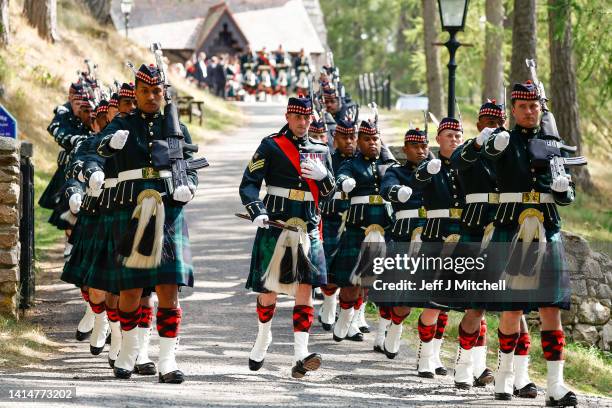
(99, 9)
(524, 41)
(493, 72)
(42, 14)
(5, 29)
(563, 93)
(431, 28)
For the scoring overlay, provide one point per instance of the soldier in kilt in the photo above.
(333, 213)
(477, 176)
(527, 213)
(409, 220)
(364, 237)
(298, 175)
(162, 259)
(443, 198)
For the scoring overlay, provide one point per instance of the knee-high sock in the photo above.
(507, 342)
(115, 326)
(265, 313)
(168, 325)
(129, 339)
(467, 340)
(302, 321)
(482, 336)
(441, 324)
(553, 344)
(144, 334)
(426, 333)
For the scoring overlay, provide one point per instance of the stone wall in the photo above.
(9, 225)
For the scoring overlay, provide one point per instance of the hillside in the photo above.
(36, 74)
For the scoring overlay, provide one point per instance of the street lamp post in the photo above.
(126, 9)
(452, 17)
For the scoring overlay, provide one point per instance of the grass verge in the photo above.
(22, 343)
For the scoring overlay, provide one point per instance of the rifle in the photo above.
(169, 153)
(547, 122)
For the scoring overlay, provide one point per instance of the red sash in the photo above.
(294, 157)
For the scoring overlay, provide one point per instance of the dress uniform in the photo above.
(529, 196)
(294, 199)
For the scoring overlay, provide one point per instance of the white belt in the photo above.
(290, 193)
(400, 215)
(110, 182)
(144, 173)
(340, 196)
(444, 213)
(93, 193)
(369, 199)
(532, 197)
(492, 198)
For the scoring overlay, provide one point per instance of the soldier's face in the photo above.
(369, 145)
(526, 113)
(416, 153)
(347, 144)
(298, 124)
(318, 136)
(149, 97)
(448, 140)
(86, 115)
(489, 121)
(126, 105)
(102, 121)
(331, 105)
(112, 112)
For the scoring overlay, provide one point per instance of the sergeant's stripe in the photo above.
(256, 165)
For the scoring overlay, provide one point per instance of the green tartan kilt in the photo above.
(176, 267)
(50, 196)
(556, 274)
(102, 271)
(331, 236)
(263, 248)
(84, 238)
(401, 231)
(55, 218)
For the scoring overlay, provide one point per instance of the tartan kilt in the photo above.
(84, 238)
(102, 272)
(331, 236)
(49, 198)
(176, 267)
(60, 208)
(401, 233)
(556, 271)
(263, 249)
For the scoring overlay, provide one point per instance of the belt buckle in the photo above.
(149, 173)
(493, 198)
(375, 199)
(296, 195)
(422, 212)
(455, 212)
(532, 197)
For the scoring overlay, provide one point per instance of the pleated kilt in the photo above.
(176, 267)
(555, 273)
(50, 197)
(345, 259)
(84, 237)
(59, 209)
(263, 248)
(331, 236)
(103, 269)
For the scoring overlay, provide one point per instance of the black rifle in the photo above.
(169, 153)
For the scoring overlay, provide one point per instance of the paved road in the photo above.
(220, 322)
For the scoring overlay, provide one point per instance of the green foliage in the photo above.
(42, 76)
(5, 72)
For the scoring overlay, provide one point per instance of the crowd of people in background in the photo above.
(249, 76)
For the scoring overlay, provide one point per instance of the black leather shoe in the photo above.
(338, 339)
(108, 338)
(310, 363)
(462, 386)
(389, 355)
(122, 373)
(355, 337)
(485, 378)
(528, 391)
(503, 396)
(425, 374)
(173, 377)
(378, 349)
(326, 326)
(568, 400)
(82, 336)
(95, 350)
(145, 369)
(441, 371)
(364, 329)
(111, 363)
(255, 365)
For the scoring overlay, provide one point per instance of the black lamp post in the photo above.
(452, 17)
(126, 9)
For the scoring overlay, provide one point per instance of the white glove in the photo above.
(96, 180)
(182, 194)
(483, 136)
(404, 193)
(314, 169)
(118, 139)
(434, 166)
(75, 203)
(260, 221)
(348, 185)
(501, 141)
(560, 184)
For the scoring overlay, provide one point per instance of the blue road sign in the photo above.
(8, 124)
